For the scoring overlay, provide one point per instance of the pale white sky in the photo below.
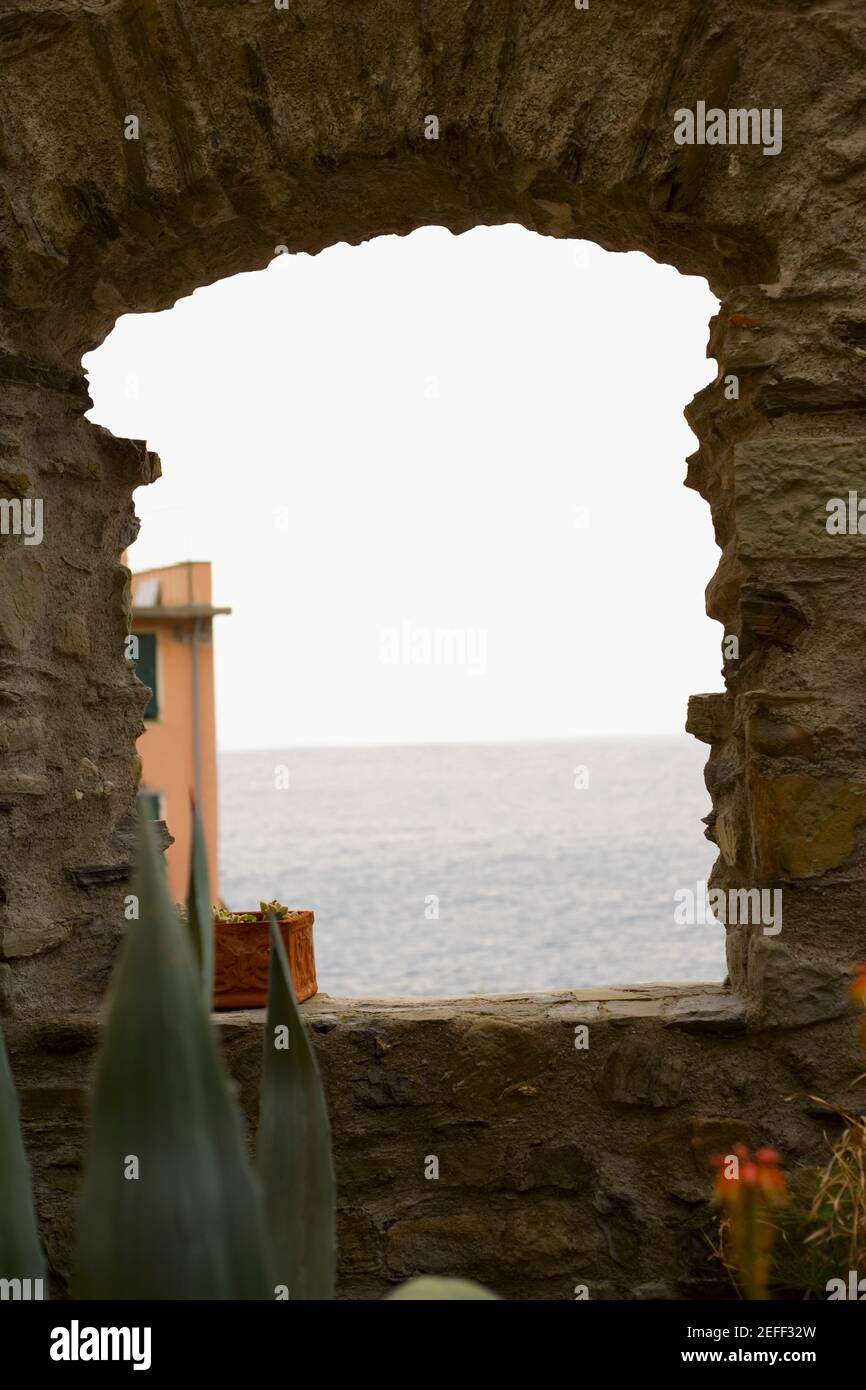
(440, 482)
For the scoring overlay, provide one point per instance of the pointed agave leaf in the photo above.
(169, 1206)
(20, 1252)
(294, 1144)
(430, 1290)
(199, 913)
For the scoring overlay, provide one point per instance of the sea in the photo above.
(478, 868)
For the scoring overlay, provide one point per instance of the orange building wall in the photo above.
(166, 747)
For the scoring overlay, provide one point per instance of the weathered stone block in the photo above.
(803, 826)
(493, 1058)
(634, 1075)
(22, 598)
(726, 836)
(74, 639)
(709, 717)
(771, 617)
(783, 485)
(721, 1012)
(780, 738)
(21, 735)
(28, 934)
(18, 783)
(794, 993)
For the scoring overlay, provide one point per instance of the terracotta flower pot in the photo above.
(242, 956)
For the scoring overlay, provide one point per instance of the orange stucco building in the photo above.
(172, 623)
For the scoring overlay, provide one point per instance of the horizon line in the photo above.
(460, 743)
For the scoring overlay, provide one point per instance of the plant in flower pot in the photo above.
(242, 955)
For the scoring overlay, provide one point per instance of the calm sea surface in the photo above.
(539, 885)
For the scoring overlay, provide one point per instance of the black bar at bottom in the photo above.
(256, 1339)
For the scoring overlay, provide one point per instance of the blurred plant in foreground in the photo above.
(170, 1205)
(822, 1221)
(838, 1210)
(858, 990)
(750, 1190)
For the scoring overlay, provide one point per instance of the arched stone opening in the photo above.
(449, 397)
(537, 123)
(259, 128)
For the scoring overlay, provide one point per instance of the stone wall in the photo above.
(259, 128)
(559, 1164)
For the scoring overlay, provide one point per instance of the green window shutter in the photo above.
(145, 669)
(150, 803)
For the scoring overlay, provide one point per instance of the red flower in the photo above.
(747, 1187)
(770, 1179)
(741, 1172)
(858, 988)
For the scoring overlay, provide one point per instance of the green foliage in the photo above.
(190, 1222)
(279, 910)
(199, 914)
(294, 1144)
(824, 1231)
(20, 1252)
(802, 1268)
(170, 1206)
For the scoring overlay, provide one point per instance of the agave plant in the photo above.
(171, 1207)
(21, 1255)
